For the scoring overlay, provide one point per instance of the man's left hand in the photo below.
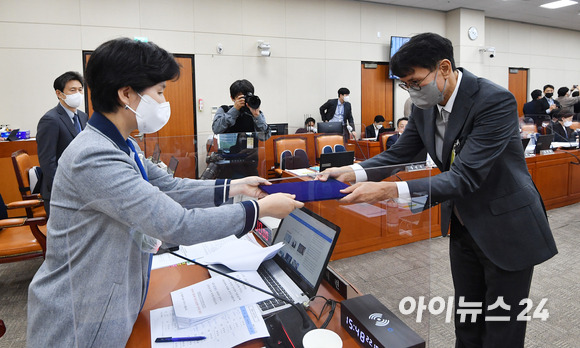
(248, 186)
(255, 112)
(370, 192)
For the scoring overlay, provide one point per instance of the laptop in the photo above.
(525, 142)
(172, 167)
(544, 142)
(336, 159)
(13, 136)
(156, 154)
(297, 270)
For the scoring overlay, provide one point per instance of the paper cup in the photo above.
(321, 338)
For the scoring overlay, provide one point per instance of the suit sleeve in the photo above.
(324, 110)
(348, 116)
(47, 133)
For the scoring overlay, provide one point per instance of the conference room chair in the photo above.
(21, 238)
(2, 328)
(286, 147)
(325, 143)
(383, 140)
(22, 163)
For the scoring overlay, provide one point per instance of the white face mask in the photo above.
(151, 115)
(379, 126)
(346, 98)
(567, 123)
(74, 100)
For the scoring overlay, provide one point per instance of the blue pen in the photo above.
(179, 339)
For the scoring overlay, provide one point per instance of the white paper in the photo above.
(194, 252)
(302, 172)
(215, 295)
(241, 255)
(226, 329)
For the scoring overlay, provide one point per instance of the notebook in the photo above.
(299, 266)
(336, 159)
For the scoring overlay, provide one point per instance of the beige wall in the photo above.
(317, 47)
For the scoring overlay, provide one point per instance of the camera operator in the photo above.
(244, 115)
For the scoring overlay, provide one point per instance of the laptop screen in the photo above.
(227, 141)
(309, 240)
(336, 159)
(156, 154)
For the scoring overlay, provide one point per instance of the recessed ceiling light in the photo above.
(559, 4)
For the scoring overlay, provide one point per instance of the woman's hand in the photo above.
(278, 205)
(248, 186)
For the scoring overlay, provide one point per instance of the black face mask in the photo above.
(549, 95)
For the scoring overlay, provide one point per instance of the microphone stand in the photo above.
(349, 128)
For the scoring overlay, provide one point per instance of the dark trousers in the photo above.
(477, 279)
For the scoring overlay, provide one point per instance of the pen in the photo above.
(179, 339)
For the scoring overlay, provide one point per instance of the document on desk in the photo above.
(212, 296)
(226, 329)
(241, 255)
(195, 252)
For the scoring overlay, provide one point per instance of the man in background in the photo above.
(372, 131)
(401, 124)
(339, 110)
(548, 104)
(533, 107)
(309, 126)
(566, 101)
(58, 127)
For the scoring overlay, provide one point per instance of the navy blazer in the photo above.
(53, 134)
(544, 105)
(327, 112)
(488, 182)
(392, 140)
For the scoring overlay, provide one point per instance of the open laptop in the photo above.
(13, 136)
(156, 154)
(544, 142)
(336, 159)
(172, 167)
(299, 266)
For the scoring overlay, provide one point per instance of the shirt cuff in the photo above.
(359, 172)
(222, 191)
(403, 188)
(252, 212)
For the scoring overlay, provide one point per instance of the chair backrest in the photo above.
(288, 143)
(323, 140)
(383, 140)
(22, 164)
(575, 125)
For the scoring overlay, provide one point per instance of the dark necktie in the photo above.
(77, 123)
(137, 160)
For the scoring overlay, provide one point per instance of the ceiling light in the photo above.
(559, 4)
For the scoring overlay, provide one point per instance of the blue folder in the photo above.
(307, 191)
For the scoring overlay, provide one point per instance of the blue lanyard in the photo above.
(139, 163)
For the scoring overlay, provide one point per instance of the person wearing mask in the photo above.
(112, 207)
(547, 104)
(401, 124)
(469, 126)
(309, 126)
(58, 127)
(372, 131)
(340, 110)
(244, 115)
(533, 107)
(561, 127)
(566, 101)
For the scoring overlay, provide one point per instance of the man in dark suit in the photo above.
(401, 124)
(58, 127)
(339, 110)
(499, 228)
(547, 104)
(561, 127)
(373, 130)
(533, 107)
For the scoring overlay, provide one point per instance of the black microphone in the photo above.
(576, 157)
(349, 128)
(305, 320)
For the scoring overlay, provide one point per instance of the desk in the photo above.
(365, 148)
(8, 183)
(165, 280)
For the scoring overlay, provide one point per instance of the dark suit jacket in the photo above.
(488, 183)
(544, 105)
(392, 140)
(370, 132)
(561, 133)
(533, 108)
(53, 134)
(327, 112)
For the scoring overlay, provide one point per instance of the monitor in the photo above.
(336, 159)
(396, 43)
(330, 127)
(544, 142)
(279, 128)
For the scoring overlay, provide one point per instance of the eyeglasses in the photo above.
(416, 86)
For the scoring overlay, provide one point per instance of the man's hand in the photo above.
(255, 112)
(370, 192)
(344, 174)
(248, 186)
(278, 205)
(240, 102)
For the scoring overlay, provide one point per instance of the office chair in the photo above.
(21, 238)
(321, 141)
(22, 163)
(289, 144)
(383, 140)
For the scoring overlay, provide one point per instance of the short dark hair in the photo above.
(422, 51)
(308, 120)
(343, 90)
(402, 119)
(536, 93)
(547, 86)
(379, 118)
(562, 91)
(61, 81)
(124, 62)
(241, 87)
(560, 114)
(576, 93)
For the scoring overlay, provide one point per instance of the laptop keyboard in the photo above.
(276, 289)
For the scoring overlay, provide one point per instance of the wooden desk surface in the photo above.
(165, 280)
